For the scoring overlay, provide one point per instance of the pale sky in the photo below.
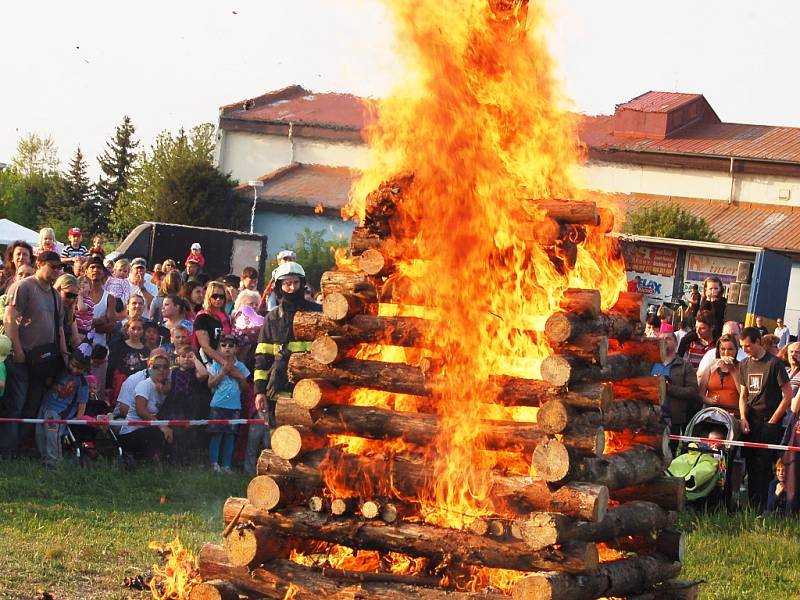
(73, 69)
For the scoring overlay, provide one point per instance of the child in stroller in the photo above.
(87, 442)
(712, 470)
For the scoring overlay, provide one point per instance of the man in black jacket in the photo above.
(276, 344)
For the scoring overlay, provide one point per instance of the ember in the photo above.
(471, 418)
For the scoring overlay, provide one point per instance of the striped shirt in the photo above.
(69, 252)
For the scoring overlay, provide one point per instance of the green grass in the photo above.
(79, 532)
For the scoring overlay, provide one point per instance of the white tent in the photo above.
(10, 231)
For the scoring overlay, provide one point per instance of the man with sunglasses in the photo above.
(33, 321)
(276, 344)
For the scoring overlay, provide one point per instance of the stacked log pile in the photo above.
(592, 517)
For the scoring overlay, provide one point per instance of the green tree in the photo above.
(669, 221)
(176, 182)
(36, 155)
(75, 206)
(315, 252)
(116, 164)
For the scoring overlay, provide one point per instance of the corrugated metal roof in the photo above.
(303, 185)
(659, 102)
(754, 142)
(765, 226)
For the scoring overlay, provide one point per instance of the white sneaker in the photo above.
(216, 468)
(227, 470)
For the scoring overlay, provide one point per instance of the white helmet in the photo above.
(289, 268)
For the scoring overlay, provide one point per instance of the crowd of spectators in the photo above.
(83, 337)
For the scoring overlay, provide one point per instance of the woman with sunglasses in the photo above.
(211, 323)
(68, 288)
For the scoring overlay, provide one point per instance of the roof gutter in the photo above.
(646, 239)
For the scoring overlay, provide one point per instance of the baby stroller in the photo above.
(713, 472)
(90, 441)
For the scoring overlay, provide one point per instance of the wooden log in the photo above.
(674, 589)
(615, 578)
(250, 546)
(343, 506)
(632, 306)
(669, 543)
(554, 462)
(562, 327)
(577, 212)
(216, 589)
(263, 491)
(653, 350)
(338, 306)
(328, 349)
(290, 441)
(374, 262)
(557, 417)
(657, 441)
(557, 370)
(516, 391)
(362, 240)
(582, 302)
(589, 347)
(370, 508)
(281, 579)
(648, 388)
(319, 393)
(348, 282)
(288, 412)
(492, 527)
(406, 479)
(376, 375)
(373, 329)
(637, 518)
(417, 539)
(668, 492)
(319, 504)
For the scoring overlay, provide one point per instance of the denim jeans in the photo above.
(48, 437)
(22, 399)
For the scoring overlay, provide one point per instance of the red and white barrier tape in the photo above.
(710, 441)
(136, 422)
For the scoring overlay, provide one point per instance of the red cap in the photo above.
(75, 231)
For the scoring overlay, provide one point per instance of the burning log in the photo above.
(417, 539)
(581, 302)
(362, 240)
(558, 370)
(487, 526)
(250, 546)
(348, 282)
(289, 441)
(273, 491)
(632, 306)
(376, 375)
(562, 327)
(280, 579)
(554, 462)
(343, 506)
(648, 388)
(567, 211)
(616, 578)
(540, 530)
(392, 477)
(557, 417)
(319, 393)
(653, 350)
(397, 331)
(215, 589)
(668, 543)
(591, 348)
(288, 412)
(657, 441)
(374, 262)
(516, 391)
(338, 306)
(668, 492)
(328, 349)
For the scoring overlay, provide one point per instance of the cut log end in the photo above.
(585, 303)
(557, 328)
(290, 442)
(370, 509)
(216, 589)
(327, 349)
(551, 460)
(554, 416)
(556, 370)
(372, 262)
(263, 492)
(339, 306)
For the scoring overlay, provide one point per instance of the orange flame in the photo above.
(471, 144)
(174, 581)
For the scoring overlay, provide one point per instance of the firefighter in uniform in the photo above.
(276, 344)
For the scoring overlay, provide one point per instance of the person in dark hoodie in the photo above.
(276, 344)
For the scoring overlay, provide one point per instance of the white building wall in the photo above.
(689, 183)
(332, 154)
(791, 316)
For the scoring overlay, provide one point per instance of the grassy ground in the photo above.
(79, 532)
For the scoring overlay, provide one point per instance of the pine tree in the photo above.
(74, 204)
(116, 164)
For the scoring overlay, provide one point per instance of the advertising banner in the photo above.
(652, 260)
(700, 266)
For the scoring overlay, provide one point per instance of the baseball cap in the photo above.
(286, 254)
(139, 262)
(53, 259)
(196, 246)
(75, 231)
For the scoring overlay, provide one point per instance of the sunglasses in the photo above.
(71, 295)
(217, 296)
(160, 367)
(227, 345)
